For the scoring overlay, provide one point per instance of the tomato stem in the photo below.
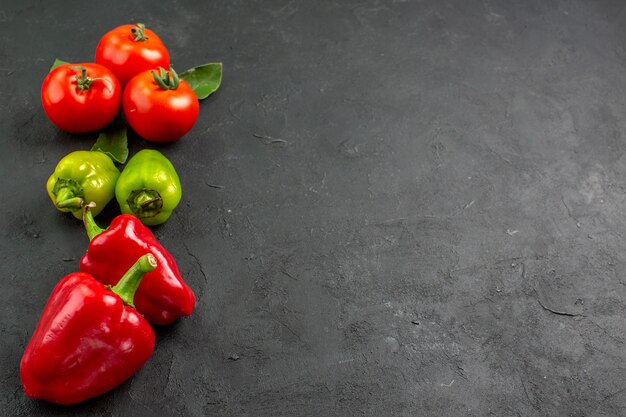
(139, 32)
(83, 81)
(164, 81)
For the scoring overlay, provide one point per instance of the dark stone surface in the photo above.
(441, 234)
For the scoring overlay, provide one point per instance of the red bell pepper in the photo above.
(89, 338)
(163, 295)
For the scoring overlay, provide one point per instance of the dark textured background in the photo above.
(442, 234)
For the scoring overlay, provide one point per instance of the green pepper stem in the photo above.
(71, 203)
(145, 203)
(91, 227)
(128, 284)
(66, 197)
(148, 203)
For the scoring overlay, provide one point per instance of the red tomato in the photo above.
(160, 113)
(130, 49)
(81, 98)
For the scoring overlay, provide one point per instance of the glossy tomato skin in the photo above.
(159, 115)
(76, 111)
(127, 57)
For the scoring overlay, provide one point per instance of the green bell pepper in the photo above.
(83, 176)
(149, 187)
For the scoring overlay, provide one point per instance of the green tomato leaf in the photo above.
(57, 62)
(204, 80)
(113, 141)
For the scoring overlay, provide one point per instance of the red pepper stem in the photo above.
(91, 227)
(128, 284)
